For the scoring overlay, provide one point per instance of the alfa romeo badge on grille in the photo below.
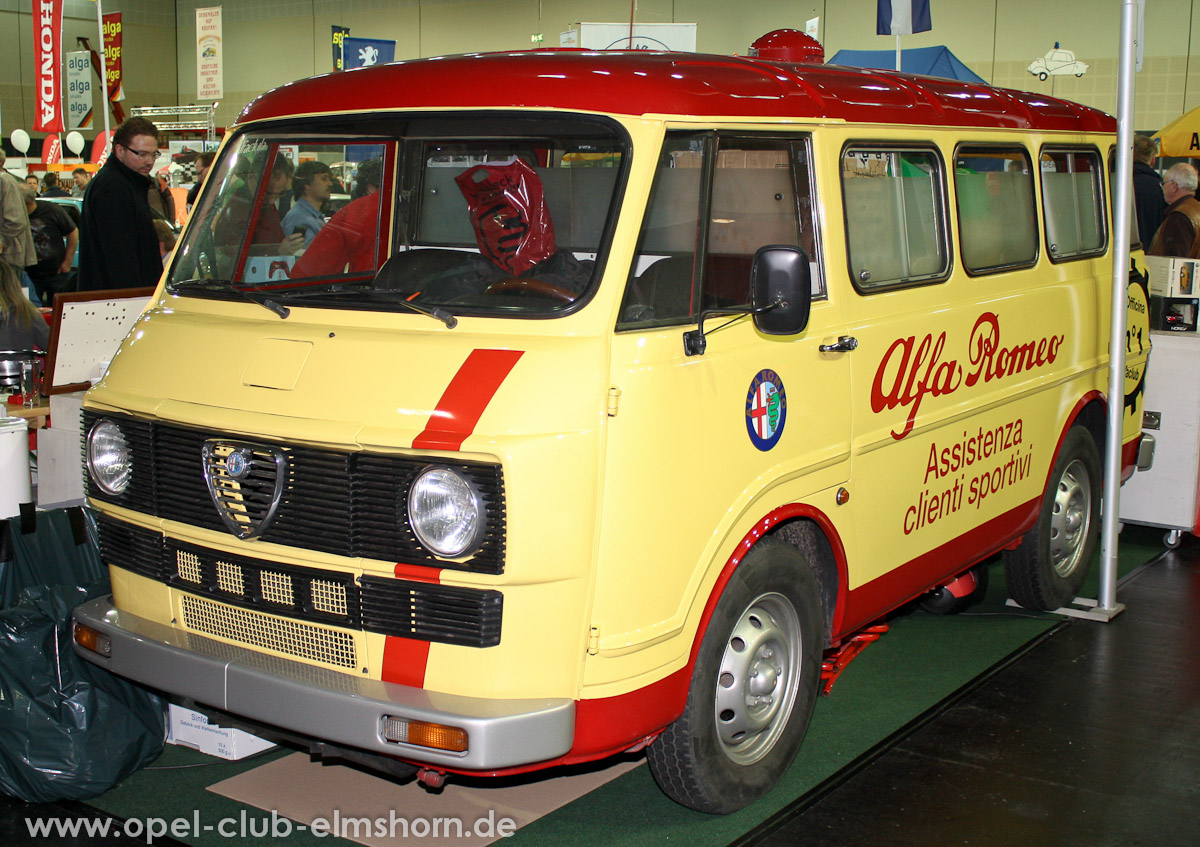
(245, 481)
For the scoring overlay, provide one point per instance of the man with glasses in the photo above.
(118, 247)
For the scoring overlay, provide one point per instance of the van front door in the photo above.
(700, 448)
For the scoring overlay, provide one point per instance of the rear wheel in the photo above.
(1048, 567)
(752, 690)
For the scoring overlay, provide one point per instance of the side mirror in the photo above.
(780, 289)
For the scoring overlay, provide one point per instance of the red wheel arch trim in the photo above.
(765, 525)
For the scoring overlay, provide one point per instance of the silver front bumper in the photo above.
(325, 704)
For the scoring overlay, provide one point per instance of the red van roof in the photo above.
(641, 82)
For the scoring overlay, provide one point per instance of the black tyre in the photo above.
(753, 687)
(941, 602)
(1048, 567)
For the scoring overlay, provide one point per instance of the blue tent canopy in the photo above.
(929, 61)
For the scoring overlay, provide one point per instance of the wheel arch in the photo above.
(813, 534)
(1091, 413)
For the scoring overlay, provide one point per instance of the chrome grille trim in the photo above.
(245, 482)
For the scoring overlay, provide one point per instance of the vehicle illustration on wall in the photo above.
(1057, 62)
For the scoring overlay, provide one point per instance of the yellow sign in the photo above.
(1181, 137)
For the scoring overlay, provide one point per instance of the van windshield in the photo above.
(494, 214)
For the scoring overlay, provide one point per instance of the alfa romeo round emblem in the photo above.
(766, 409)
(237, 464)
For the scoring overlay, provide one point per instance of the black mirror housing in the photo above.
(780, 289)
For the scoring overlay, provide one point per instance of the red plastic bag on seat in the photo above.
(509, 215)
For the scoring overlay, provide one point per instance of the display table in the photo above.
(1166, 495)
(35, 415)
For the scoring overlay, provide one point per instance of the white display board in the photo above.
(87, 330)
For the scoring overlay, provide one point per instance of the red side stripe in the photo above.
(465, 399)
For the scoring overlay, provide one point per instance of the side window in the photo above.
(895, 216)
(760, 195)
(997, 220)
(1072, 203)
(759, 192)
(1136, 242)
(660, 290)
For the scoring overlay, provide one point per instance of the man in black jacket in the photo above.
(118, 247)
(1147, 189)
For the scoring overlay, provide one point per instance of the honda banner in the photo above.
(51, 150)
(47, 57)
(113, 38)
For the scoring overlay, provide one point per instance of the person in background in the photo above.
(55, 237)
(21, 325)
(311, 187)
(16, 241)
(348, 243)
(1148, 200)
(269, 227)
(203, 164)
(166, 239)
(51, 188)
(1179, 234)
(81, 178)
(118, 247)
(33, 182)
(160, 198)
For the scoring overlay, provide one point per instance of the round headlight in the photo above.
(108, 457)
(446, 512)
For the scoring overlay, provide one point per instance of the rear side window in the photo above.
(997, 218)
(895, 216)
(1072, 203)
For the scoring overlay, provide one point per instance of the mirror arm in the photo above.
(694, 340)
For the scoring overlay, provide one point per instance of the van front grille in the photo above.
(471, 617)
(302, 640)
(351, 504)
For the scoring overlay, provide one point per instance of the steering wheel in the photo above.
(520, 285)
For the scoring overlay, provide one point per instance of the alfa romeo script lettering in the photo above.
(911, 370)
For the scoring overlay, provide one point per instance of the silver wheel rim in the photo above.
(1070, 519)
(758, 678)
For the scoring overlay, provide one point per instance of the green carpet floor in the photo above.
(921, 661)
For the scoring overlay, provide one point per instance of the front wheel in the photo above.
(752, 690)
(1053, 558)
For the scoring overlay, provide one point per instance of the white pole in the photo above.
(103, 64)
(897, 54)
(1122, 187)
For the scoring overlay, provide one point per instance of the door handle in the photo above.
(843, 345)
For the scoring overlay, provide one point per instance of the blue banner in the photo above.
(902, 17)
(364, 52)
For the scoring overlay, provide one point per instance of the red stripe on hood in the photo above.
(466, 398)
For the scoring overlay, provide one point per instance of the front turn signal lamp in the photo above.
(435, 736)
(93, 640)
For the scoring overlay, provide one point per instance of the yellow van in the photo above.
(625, 390)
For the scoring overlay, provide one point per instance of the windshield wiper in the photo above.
(430, 311)
(220, 286)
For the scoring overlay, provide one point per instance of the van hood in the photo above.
(412, 385)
